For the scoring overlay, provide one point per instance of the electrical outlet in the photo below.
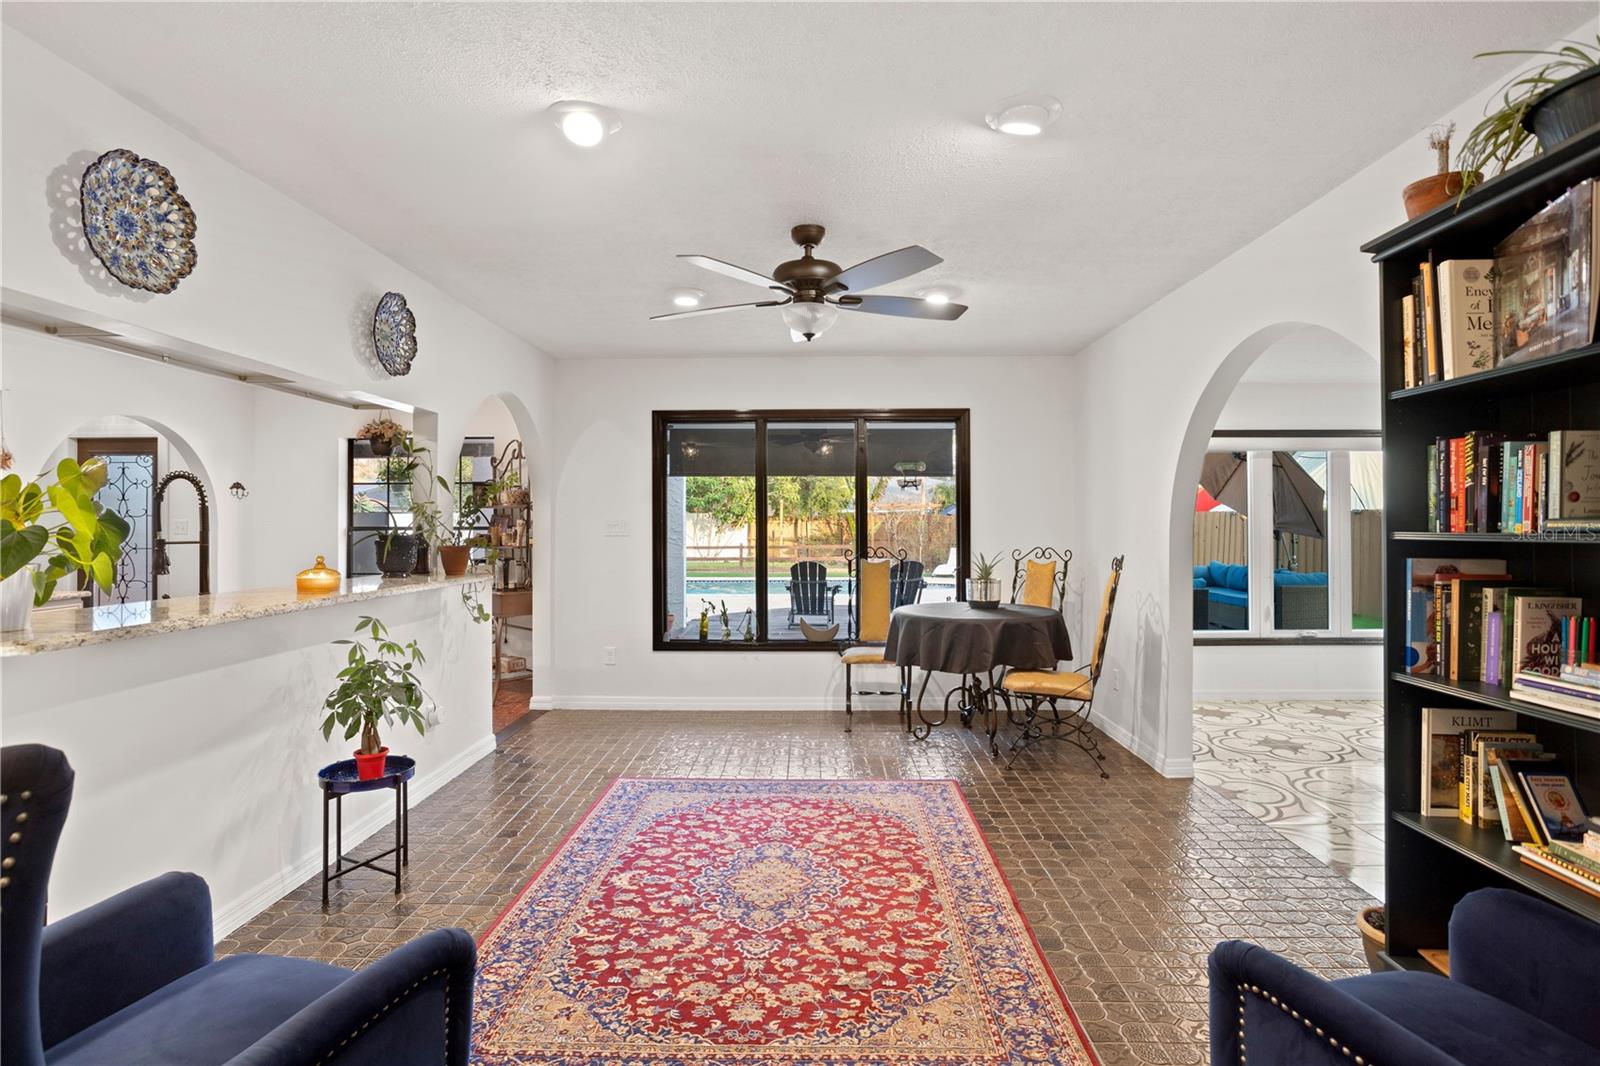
(1116, 678)
(616, 527)
(608, 656)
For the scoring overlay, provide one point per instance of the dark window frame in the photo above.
(352, 532)
(960, 419)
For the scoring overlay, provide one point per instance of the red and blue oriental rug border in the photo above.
(742, 922)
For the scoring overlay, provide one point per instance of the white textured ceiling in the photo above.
(1188, 129)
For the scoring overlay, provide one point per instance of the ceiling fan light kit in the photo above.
(688, 297)
(583, 123)
(1023, 116)
(810, 291)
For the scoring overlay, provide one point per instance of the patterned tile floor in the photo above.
(1312, 770)
(1127, 882)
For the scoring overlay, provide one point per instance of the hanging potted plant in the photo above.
(382, 434)
(1423, 196)
(62, 521)
(1537, 108)
(378, 685)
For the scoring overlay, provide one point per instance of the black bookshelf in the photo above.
(1432, 862)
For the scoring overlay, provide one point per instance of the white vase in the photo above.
(16, 602)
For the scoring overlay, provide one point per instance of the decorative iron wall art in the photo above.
(136, 222)
(394, 334)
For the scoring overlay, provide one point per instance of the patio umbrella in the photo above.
(1204, 501)
(1297, 500)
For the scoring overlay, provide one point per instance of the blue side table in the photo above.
(339, 779)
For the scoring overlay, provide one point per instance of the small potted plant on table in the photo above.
(983, 588)
(377, 685)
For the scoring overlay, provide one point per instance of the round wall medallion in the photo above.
(394, 334)
(136, 222)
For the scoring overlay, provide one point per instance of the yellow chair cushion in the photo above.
(1062, 685)
(855, 656)
(1039, 586)
(873, 600)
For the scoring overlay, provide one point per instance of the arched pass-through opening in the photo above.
(495, 468)
(1186, 475)
(143, 453)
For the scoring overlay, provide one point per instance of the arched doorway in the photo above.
(1276, 563)
(159, 485)
(494, 485)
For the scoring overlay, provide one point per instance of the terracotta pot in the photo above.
(370, 767)
(1372, 938)
(454, 558)
(1431, 192)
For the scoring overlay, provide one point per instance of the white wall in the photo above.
(277, 289)
(1024, 482)
(199, 750)
(1168, 372)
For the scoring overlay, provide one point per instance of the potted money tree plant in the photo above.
(378, 686)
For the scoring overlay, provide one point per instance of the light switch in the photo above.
(616, 527)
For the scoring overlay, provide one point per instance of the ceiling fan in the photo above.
(812, 291)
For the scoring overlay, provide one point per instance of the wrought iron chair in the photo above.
(1039, 577)
(809, 592)
(1053, 687)
(872, 603)
(906, 582)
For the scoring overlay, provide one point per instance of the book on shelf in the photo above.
(1422, 649)
(1542, 860)
(1554, 799)
(1428, 326)
(1543, 276)
(1443, 744)
(1547, 691)
(1466, 316)
(1536, 628)
(1574, 479)
(1488, 749)
(1408, 341)
(1513, 816)
(1464, 658)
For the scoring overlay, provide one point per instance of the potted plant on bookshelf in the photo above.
(82, 537)
(1443, 186)
(378, 685)
(983, 588)
(1537, 108)
(382, 434)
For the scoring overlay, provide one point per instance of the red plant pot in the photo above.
(370, 767)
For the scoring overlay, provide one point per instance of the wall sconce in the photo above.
(238, 490)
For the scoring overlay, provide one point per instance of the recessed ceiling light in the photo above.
(584, 124)
(687, 297)
(1024, 116)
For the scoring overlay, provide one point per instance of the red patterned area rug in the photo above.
(748, 923)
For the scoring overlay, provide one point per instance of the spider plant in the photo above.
(1501, 138)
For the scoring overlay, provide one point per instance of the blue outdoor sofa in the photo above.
(132, 980)
(1299, 600)
(1521, 990)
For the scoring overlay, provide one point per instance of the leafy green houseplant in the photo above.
(983, 588)
(1536, 108)
(378, 685)
(60, 520)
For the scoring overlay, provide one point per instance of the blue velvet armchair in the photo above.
(1523, 986)
(133, 980)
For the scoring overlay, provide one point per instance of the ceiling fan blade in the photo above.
(718, 310)
(738, 273)
(886, 268)
(903, 306)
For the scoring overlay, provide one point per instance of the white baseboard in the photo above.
(231, 914)
(1147, 751)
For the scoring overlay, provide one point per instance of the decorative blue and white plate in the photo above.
(394, 334)
(136, 222)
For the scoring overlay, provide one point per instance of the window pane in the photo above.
(911, 504)
(710, 529)
(1300, 540)
(1366, 540)
(811, 523)
(1222, 543)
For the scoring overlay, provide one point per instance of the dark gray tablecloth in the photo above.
(956, 638)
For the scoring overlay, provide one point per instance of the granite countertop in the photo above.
(77, 627)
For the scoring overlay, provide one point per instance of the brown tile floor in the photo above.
(1127, 882)
(511, 701)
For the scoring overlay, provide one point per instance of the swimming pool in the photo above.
(746, 586)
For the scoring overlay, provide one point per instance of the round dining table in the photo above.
(974, 642)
